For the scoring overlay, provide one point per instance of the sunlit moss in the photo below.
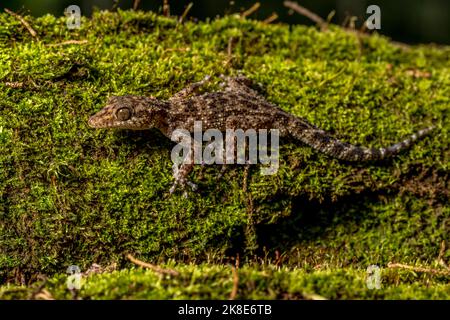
(206, 281)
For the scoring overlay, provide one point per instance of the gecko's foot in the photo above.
(193, 186)
(172, 188)
(183, 185)
(222, 171)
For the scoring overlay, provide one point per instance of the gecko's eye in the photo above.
(123, 114)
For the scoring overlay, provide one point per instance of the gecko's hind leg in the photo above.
(183, 165)
(180, 174)
(191, 89)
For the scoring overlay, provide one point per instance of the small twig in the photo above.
(271, 18)
(402, 45)
(352, 23)
(152, 266)
(345, 22)
(323, 24)
(313, 296)
(136, 4)
(18, 84)
(177, 49)
(250, 228)
(67, 42)
(40, 292)
(186, 11)
(230, 47)
(235, 279)
(416, 73)
(441, 256)
(97, 269)
(115, 5)
(279, 258)
(251, 10)
(418, 269)
(231, 41)
(442, 250)
(305, 12)
(363, 28)
(337, 74)
(330, 16)
(44, 294)
(25, 24)
(359, 37)
(14, 85)
(166, 8)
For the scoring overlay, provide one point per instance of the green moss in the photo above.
(73, 195)
(216, 282)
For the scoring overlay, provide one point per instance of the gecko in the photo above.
(235, 106)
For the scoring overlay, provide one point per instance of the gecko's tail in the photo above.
(323, 142)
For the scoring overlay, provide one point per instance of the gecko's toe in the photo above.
(222, 172)
(193, 186)
(182, 185)
(172, 189)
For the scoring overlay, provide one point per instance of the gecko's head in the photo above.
(128, 112)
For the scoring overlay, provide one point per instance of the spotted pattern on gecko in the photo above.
(235, 106)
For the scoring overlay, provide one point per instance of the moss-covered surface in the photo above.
(71, 195)
(217, 282)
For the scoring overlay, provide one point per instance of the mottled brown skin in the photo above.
(236, 106)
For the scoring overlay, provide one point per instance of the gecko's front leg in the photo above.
(192, 89)
(182, 169)
(180, 174)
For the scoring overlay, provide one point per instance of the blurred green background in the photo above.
(414, 21)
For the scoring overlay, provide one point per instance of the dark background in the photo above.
(414, 21)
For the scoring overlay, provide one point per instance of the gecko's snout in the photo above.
(92, 122)
(101, 119)
(98, 121)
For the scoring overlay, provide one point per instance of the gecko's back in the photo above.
(237, 106)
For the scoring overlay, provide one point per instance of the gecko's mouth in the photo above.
(93, 123)
(105, 122)
(101, 119)
(105, 119)
(99, 122)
